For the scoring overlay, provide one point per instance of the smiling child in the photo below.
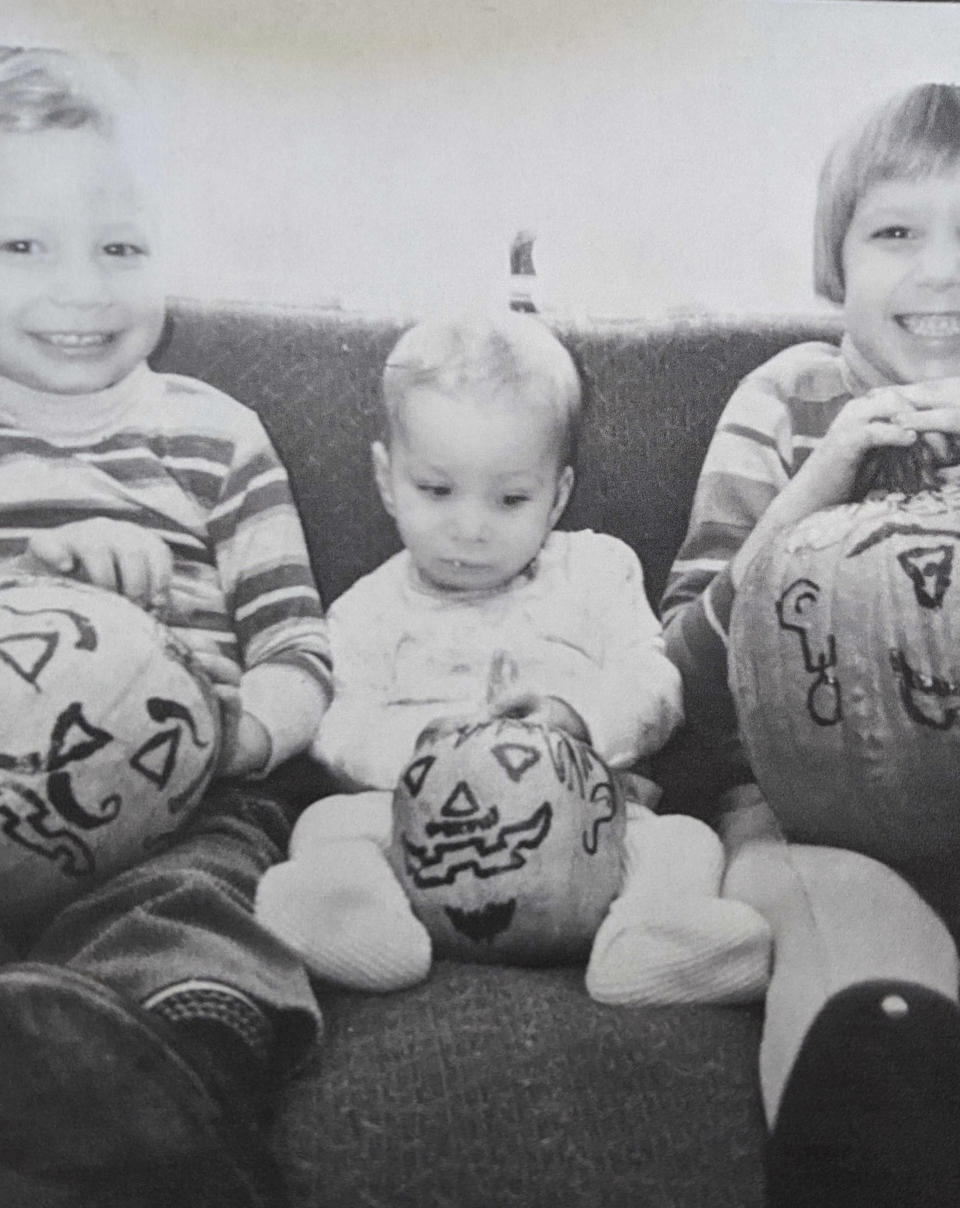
(860, 1058)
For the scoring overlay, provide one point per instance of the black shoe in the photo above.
(870, 1116)
(97, 1095)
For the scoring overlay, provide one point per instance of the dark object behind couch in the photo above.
(489, 1087)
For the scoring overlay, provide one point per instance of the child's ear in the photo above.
(381, 472)
(564, 487)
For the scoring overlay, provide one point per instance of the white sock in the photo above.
(364, 815)
(669, 937)
(345, 914)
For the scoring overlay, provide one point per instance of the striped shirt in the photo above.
(189, 463)
(773, 421)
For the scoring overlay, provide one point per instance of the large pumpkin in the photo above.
(108, 738)
(508, 839)
(845, 668)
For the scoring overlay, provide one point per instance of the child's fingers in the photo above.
(887, 404)
(132, 568)
(51, 551)
(937, 419)
(144, 566)
(98, 566)
(516, 705)
(158, 558)
(885, 433)
(941, 392)
(223, 671)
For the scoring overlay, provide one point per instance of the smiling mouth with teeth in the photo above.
(932, 326)
(75, 339)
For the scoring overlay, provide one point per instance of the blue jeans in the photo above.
(187, 912)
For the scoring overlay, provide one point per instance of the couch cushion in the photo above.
(489, 1087)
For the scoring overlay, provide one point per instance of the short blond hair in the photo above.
(44, 89)
(505, 357)
(913, 135)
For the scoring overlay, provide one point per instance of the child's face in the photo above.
(474, 489)
(81, 303)
(901, 263)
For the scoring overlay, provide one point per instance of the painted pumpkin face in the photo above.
(845, 666)
(107, 740)
(508, 837)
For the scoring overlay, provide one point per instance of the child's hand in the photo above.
(548, 711)
(449, 724)
(244, 742)
(889, 416)
(892, 416)
(935, 414)
(113, 554)
(879, 419)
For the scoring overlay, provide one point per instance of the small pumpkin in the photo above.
(845, 669)
(508, 839)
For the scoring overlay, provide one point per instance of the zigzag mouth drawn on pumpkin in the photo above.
(483, 856)
(463, 826)
(930, 700)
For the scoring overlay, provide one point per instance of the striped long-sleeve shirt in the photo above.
(177, 457)
(773, 421)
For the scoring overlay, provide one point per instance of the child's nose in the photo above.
(78, 281)
(471, 522)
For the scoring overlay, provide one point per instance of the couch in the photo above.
(490, 1087)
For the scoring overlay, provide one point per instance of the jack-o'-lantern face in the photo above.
(507, 837)
(845, 663)
(107, 739)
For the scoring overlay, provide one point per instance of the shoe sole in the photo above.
(87, 1085)
(871, 1112)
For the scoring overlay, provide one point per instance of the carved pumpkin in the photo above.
(845, 668)
(508, 839)
(107, 740)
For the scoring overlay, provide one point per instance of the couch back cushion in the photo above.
(653, 396)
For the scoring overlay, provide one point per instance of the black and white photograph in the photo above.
(458, 748)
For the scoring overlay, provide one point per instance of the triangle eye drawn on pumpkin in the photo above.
(74, 738)
(157, 758)
(515, 758)
(27, 654)
(929, 568)
(416, 773)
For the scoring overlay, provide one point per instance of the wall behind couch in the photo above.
(381, 156)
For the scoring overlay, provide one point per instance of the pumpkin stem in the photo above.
(907, 470)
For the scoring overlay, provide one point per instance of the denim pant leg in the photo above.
(188, 913)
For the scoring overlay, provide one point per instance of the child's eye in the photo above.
(894, 232)
(512, 501)
(434, 490)
(19, 247)
(124, 249)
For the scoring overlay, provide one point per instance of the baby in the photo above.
(488, 611)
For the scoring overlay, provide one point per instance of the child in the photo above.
(488, 611)
(141, 1028)
(860, 1060)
